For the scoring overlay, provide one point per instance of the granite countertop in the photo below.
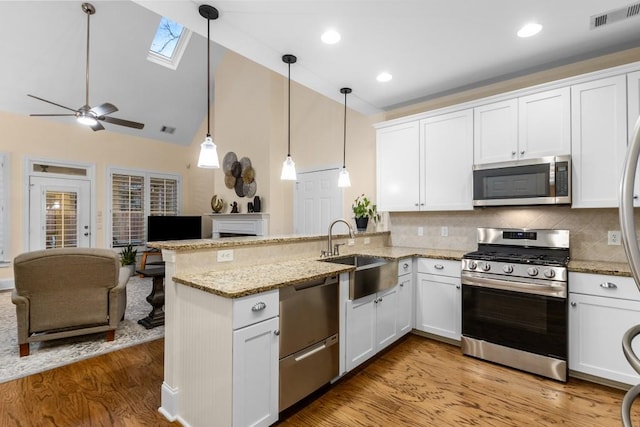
(248, 280)
(600, 267)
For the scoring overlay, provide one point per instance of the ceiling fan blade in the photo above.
(51, 102)
(104, 109)
(121, 122)
(51, 115)
(97, 126)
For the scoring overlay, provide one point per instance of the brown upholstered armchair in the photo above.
(67, 292)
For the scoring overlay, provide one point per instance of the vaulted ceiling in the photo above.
(431, 47)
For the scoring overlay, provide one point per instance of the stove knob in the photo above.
(532, 271)
(472, 265)
(486, 266)
(508, 268)
(549, 274)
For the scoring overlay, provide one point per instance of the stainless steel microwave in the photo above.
(542, 181)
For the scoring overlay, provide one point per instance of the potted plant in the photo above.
(363, 209)
(128, 258)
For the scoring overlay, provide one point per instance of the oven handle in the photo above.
(554, 290)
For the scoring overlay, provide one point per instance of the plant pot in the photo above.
(131, 268)
(361, 224)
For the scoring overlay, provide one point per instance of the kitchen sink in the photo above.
(372, 274)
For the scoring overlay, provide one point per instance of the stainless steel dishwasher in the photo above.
(309, 345)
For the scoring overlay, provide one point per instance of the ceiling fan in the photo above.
(87, 115)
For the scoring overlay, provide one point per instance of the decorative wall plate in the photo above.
(229, 159)
(229, 181)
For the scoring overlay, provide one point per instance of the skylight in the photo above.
(168, 43)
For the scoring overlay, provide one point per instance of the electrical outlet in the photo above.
(614, 238)
(225, 255)
(420, 231)
(444, 231)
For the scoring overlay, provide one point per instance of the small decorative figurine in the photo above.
(256, 204)
(250, 207)
(234, 207)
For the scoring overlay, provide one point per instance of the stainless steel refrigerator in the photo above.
(632, 249)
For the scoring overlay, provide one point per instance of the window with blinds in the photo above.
(4, 224)
(136, 195)
(61, 230)
(163, 196)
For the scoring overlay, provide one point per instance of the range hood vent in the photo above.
(615, 15)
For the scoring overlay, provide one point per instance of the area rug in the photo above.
(51, 354)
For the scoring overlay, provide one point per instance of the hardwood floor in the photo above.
(418, 382)
(121, 388)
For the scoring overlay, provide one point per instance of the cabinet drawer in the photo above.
(255, 308)
(405, 266)
(603, 285)
(440, 267)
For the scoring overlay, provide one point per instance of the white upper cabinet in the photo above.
(528, 127)
(598, 141)
(496, 132)
(633, 112)
(448, 158)
(398, 167)
(544, 124)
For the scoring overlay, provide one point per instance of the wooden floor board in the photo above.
(417, 382)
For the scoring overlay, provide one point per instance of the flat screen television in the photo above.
(181, 227)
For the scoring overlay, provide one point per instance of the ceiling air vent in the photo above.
(167, 129)
(615, 15)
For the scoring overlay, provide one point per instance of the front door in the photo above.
(59, 213)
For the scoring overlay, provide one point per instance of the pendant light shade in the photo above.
(208, 153)
(288, 166)
(343, 179)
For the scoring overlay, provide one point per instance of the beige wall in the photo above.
(25, 137)
(251, 121)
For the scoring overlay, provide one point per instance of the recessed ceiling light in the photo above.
(330, 37)
(384, 77)
(529, 30)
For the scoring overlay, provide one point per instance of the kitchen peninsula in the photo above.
(221, 310)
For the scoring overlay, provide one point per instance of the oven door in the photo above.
(529, 322)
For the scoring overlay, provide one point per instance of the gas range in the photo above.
(520, 256)
(514, 299)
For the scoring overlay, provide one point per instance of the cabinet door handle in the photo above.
(573, 304)
(259, 306)
(522, 153)
(438, 266)
(405, 265)
(402, 285)
(276, 332)
(457, 286)
(416, 204)
(513, 153)
(608, 285)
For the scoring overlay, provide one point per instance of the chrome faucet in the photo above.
(334, 250)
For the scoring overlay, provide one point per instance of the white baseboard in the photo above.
(6, 284)
(169, 397)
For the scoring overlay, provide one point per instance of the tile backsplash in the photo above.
(588, 228)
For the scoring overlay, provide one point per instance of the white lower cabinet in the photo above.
(255, 374)
(601, 309)
(371, 325)
(405, 297)
(438, 298)
(377, 320)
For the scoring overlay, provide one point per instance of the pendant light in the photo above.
(288, 166)
(208, 154)
(343, 179)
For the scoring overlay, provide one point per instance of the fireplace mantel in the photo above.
(253, 224)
